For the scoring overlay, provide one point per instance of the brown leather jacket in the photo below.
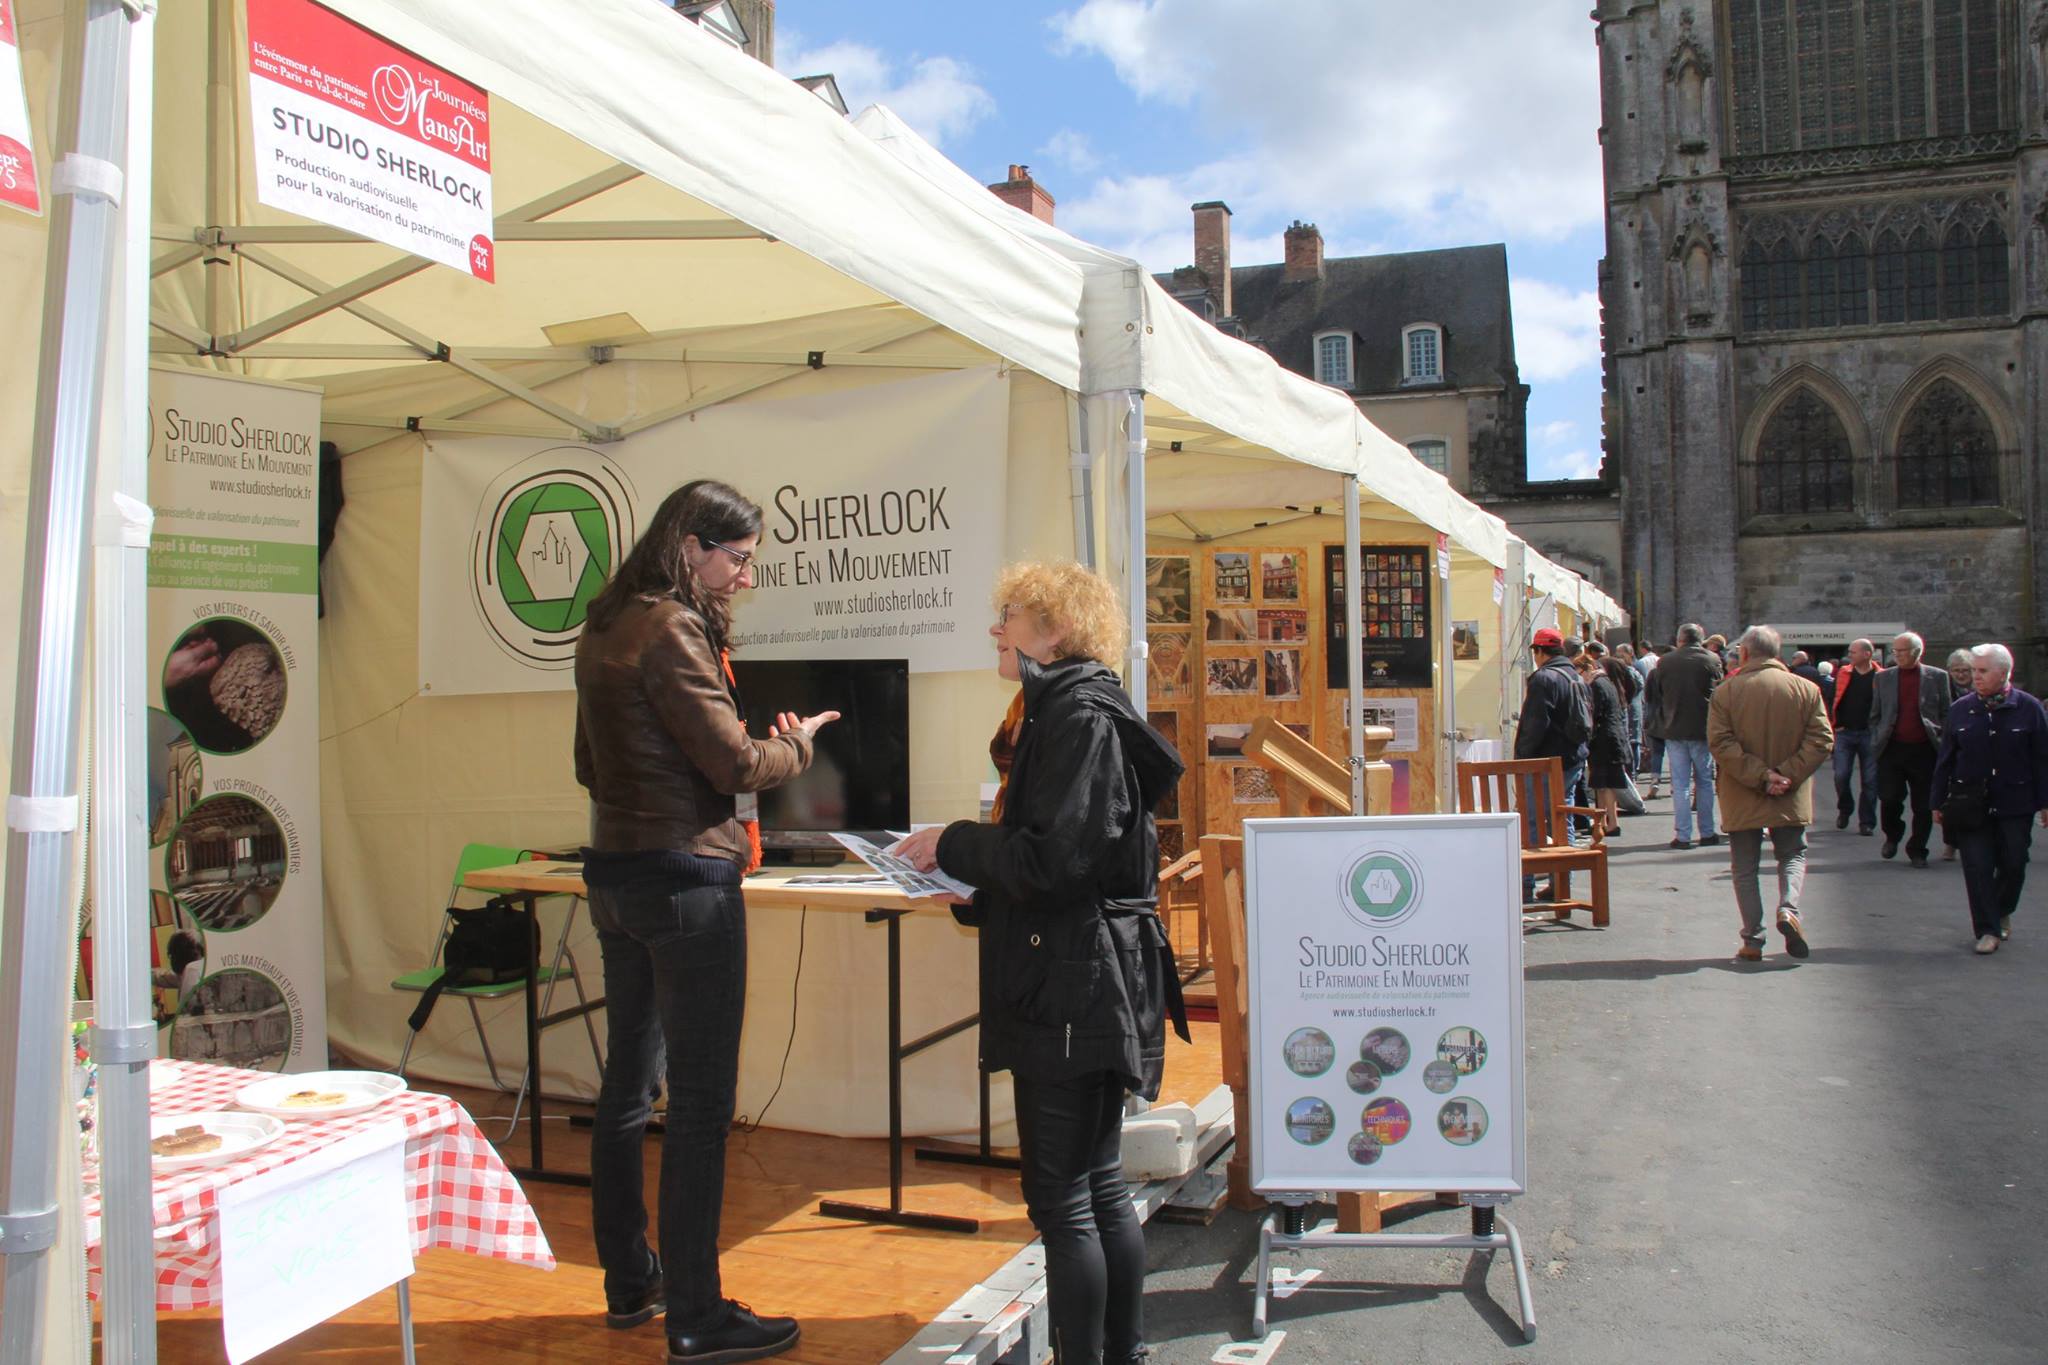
(659, 742)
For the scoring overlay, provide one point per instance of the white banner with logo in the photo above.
(354, 132)
(1384, 967)
(18, 184)
(881, 537)
(234, 733)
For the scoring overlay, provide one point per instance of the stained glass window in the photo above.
(1948, 454)
(1756, 272)
(1889, 268)
(1852, 282)
(1923, 278)
(1992, 296)
(1803, 461)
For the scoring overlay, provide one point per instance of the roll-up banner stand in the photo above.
(1384, 997)
(234, 722)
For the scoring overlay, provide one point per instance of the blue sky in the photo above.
(1391, 127)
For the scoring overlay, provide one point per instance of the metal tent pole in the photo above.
(1354, 647)
(1447, 692)
(1134, 567)
(42, 807)
(1081, 479)
(124, 1034)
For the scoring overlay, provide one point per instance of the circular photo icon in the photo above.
(176, 779)
(1386, 1121)
(177, 961)
(1364, 1148)
(1362, 1077)
(1385, 1048)
(1462, 1121)
(226, 862)
(1464, 1048)
(1310, 1121)
(236, 1018)
(1309, 1052)
(1440, 1077)
(224, 680)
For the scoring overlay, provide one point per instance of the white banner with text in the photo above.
(881, 535)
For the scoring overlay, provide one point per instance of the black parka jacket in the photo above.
(1076, 972)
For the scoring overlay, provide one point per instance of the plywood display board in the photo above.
(1172, 700)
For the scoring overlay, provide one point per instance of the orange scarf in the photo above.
(753, 827)
(1002, 751)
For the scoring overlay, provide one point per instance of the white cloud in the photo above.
(938, 96)
(1397, 112)
(1557, 330)
(1572, 464)
(1071, 150)
(1556, 433)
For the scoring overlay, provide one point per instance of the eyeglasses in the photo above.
(743, 558)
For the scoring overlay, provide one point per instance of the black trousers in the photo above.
(1994, 858)
(1070, 1137)
(1906, 771)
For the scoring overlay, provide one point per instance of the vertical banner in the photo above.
(18, 183)
(359, 134)
(234, 739)
(1384, 989)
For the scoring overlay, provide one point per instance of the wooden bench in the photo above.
(1534, 787)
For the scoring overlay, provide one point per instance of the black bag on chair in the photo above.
(488, 945)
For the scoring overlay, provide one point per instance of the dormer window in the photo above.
(1333, 358)
(1422, 353)
(715, 17)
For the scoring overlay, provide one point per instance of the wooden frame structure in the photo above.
(1534, 787)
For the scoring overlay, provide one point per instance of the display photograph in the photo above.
(224, 681)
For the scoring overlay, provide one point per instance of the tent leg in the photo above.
(1354, 645)
(86, 239)
(1447, 690)
(1134, 569)
(1081, 480)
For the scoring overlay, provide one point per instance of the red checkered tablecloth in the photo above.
(459, 1193)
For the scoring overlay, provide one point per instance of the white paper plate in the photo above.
(239, 1135)
(361, 1090)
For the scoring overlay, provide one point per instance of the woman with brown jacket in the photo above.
(662, 746)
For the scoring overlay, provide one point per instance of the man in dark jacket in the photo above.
(1850, 701)
(1994, 756)
(1557, 717)
(1680, 688)
(1908, 709)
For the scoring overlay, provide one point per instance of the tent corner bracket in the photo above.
(25, 1233)
(816, 360)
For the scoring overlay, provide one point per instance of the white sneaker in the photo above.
(2005, 926)
(1988, 944)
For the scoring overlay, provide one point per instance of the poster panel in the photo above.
(1384, 971)
(882, 531)
(1395, 615)
(234, 736)
(353, 132)
(19, 185)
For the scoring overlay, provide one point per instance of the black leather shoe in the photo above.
(624, 1313)
(740, 1336)
(1890, 849)
(1710, 841)
(1841, 822)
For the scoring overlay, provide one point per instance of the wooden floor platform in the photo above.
(860, 1290)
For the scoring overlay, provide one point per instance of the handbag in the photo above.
(1968, 805)
(488, 945)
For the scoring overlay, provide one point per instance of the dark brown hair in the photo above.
(656, 566)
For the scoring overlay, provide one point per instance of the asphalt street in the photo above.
(1833, 1160)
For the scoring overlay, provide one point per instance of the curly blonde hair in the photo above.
(1075, 603)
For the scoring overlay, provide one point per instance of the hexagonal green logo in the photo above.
(1382, 888)
(554, 548)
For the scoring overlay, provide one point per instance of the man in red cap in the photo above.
(1557, 717)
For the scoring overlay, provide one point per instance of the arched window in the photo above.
(1803, 462)
(1889, 268)
(1948, 453)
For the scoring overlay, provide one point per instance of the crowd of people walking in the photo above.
(1745, 731)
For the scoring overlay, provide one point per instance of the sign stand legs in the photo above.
(1287, 1230)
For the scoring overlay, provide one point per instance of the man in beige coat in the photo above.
(1768, 731)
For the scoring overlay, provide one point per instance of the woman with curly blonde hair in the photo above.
(1076, 975)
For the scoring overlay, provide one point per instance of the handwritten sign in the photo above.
(301, 1243)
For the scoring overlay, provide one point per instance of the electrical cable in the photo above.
(743, 1123)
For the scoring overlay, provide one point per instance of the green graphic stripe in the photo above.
(233, 565)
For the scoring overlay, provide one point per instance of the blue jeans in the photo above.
(1856, 752)
(1692, 768)
(675, 982)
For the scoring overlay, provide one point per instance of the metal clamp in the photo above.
(86, 175)
(128, 522)
(22, 1233)
(816, 360)
(42, 814)
(124, 1045)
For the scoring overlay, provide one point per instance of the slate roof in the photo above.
(1463, 289)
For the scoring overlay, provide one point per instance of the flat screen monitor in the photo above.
(859, 778)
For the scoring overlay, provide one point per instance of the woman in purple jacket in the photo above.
(1990, 784)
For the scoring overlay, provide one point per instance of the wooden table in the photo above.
(769, 890)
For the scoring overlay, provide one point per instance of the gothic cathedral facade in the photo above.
(1825, 305)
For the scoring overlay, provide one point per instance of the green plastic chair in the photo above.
(475, 857)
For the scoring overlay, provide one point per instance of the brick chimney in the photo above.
(1020, 191)
(1212, 252)
(1304, 253)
